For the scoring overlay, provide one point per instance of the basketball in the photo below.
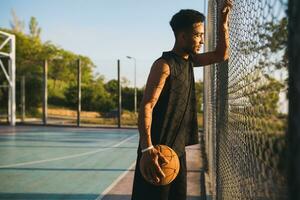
(170, 170)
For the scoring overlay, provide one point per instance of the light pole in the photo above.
(135, 95)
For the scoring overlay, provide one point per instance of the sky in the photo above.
(106, 30)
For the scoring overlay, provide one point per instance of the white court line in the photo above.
(67, 157)
(116, 181)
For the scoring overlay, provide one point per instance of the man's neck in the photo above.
(180, 52)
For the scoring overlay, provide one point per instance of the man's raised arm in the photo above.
(221, 52)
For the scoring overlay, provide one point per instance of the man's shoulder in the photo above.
(161, 64)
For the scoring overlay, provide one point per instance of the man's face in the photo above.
(195, 38)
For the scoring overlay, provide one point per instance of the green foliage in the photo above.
(128, 98)
(112, 87)
(127, 94)
(16, 24)
(276, 35)
(94, 97)
(56, 91)
(34, 97)
(199, 87)
(271, 46)
(275, 44)
(35, 31)
(62, 75)
(31, 53)
(267, 96)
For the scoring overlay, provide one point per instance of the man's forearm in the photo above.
(144, 126)
(223, 42)
(155, 83)
(223, 36)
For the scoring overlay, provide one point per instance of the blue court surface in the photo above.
(52, 163)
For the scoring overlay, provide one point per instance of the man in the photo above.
(168, 113)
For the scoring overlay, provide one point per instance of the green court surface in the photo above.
(63, 163)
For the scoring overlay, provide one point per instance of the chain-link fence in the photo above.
(245, 103)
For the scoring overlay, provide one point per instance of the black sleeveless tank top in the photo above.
(174, 117)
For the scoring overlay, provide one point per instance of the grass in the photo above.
(89, 117)
(61, 115)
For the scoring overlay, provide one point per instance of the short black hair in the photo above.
(184, 20)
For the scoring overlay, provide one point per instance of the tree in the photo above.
(112, 87)
(125, 82)
(270, 44)
(94, 97)
(35, 31)
(199, 87)
(16, 24)
(127, 94)
(128, 98)
(31, 53)
(275, 38)
(267, 95)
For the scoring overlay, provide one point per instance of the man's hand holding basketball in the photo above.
(151, 161)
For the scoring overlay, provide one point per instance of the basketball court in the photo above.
(39, 162)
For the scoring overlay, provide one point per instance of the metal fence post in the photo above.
(119, 96)
(294, 99)
(23, 92)
(45, 93)
(78, 91)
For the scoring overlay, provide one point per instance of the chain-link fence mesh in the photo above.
(245, 102)
(210, 99)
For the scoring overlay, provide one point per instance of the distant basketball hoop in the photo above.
(8, 66)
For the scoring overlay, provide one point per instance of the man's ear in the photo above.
(181, 36)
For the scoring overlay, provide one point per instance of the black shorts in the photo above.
(176, 190)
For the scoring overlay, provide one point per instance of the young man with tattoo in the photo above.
(168, 113)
